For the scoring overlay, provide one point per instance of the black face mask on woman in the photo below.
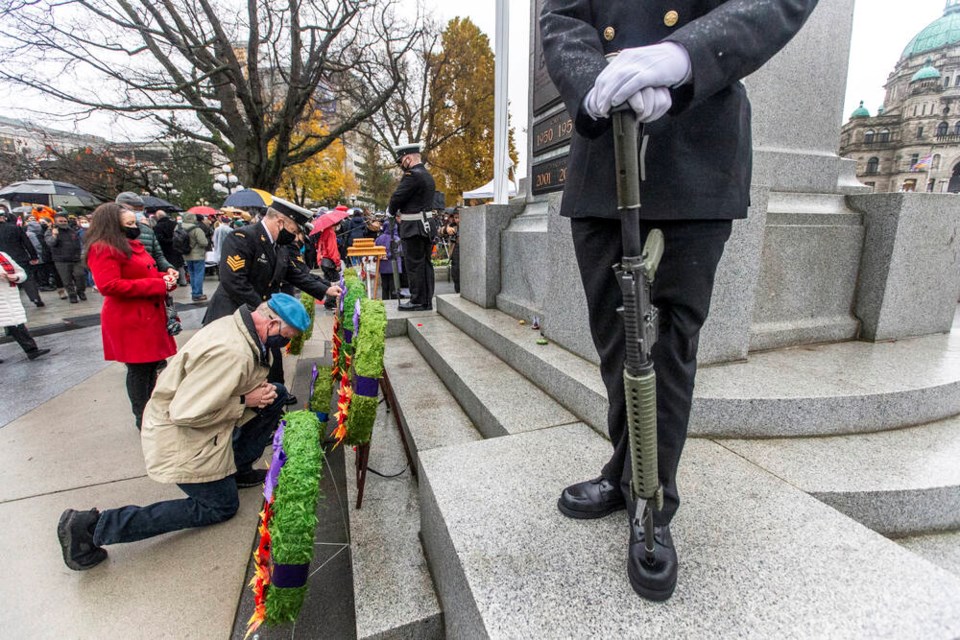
(132, 233)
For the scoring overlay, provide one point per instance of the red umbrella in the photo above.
(328, 219)
(202, 211)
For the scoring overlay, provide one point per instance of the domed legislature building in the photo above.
(912, 143)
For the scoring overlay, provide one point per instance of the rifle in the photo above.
(635, 274)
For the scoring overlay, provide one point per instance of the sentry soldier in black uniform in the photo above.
(413, 200)
(679, 66)
(255, 262)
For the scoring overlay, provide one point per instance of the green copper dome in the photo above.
(860, 112)
(926, 73)
(943, 31)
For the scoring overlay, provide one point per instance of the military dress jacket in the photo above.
(699, 156)
(252, 268)
(413, 195)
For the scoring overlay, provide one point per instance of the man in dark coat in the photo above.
(64, 243)
(679, 66)
(15, 243)
(413, 200)
(256, 261)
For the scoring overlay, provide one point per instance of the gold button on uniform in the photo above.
(670, 18)
(609, 33)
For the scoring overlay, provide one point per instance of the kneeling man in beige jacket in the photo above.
(211, 414)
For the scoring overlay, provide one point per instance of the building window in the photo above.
(942, 129)
(919, 133)
(930, 184)
(868, 136)
(946, 82)
(873, 165)
(884, 135)
(914, 109)
(914, 159)
(935, 163)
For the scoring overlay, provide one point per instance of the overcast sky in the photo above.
(881, 30)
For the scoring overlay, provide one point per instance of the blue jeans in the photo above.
(196, 269)
(206, 502)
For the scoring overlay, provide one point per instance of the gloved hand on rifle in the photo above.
(641, 76)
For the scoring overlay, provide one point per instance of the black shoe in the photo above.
(39, 303)
(402, 296)
(657, 580)
(291, 400)
(82, 295)
(33, 355)
(74, 300)
(250, 478)
(406, 306)
(75, 531)
(591, 499)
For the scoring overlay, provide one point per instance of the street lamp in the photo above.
(226, 182)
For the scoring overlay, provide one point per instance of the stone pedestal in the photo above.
(480, 229)
(909, 271)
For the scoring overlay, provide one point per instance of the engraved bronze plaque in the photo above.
(549, 175)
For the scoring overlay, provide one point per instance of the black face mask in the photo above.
(276, 341)
(132, 233)
(285, 237)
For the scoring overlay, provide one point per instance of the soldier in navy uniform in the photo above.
(256, 261)
(679, 66)
(413, 201)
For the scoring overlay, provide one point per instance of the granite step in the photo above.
(899, 482)
(429, 416)
(850, 387)
(942, 549)
(397, 320)
(394, 596)
(498, 400)
(758, 557)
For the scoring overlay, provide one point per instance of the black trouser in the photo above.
(387, 290)
(31, 287)
(419, 268)
(455, 266)
(681, 292)
(141, 378)
(22, 336)
(73, 276)
(275, 374)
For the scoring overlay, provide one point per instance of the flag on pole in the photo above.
(923, 164)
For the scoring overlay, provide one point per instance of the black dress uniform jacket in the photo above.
(252, 268)
(413, 195)
(698, 159)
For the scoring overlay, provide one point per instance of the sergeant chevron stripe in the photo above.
(236, 262)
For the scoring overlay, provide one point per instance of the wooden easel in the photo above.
(369, 253)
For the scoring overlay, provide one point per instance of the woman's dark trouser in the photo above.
(22, 336)
(141, 378)
(681, 292)
(419, 268)
(206, 502)
(31, 286)
(455, 267)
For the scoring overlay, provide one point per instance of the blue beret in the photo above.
(290, 311)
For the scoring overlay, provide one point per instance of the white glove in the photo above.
(666, 64)
(651, 103)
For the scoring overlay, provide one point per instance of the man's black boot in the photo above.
(250, 478)
(75, 531)
(654, 580)
(591, 499)
(407, 306)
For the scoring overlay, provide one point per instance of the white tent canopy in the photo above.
(486, 191)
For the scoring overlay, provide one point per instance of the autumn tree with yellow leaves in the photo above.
(323, 179)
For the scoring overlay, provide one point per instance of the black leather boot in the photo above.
(591, 499)
(654, 580)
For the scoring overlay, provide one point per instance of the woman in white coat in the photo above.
(12, 315)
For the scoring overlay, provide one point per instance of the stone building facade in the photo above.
(912, 143)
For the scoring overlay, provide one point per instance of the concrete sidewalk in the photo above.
(79, 449)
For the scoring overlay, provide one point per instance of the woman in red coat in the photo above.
(133, 320)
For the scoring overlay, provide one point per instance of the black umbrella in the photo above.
(50, 193)
(152, 203)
